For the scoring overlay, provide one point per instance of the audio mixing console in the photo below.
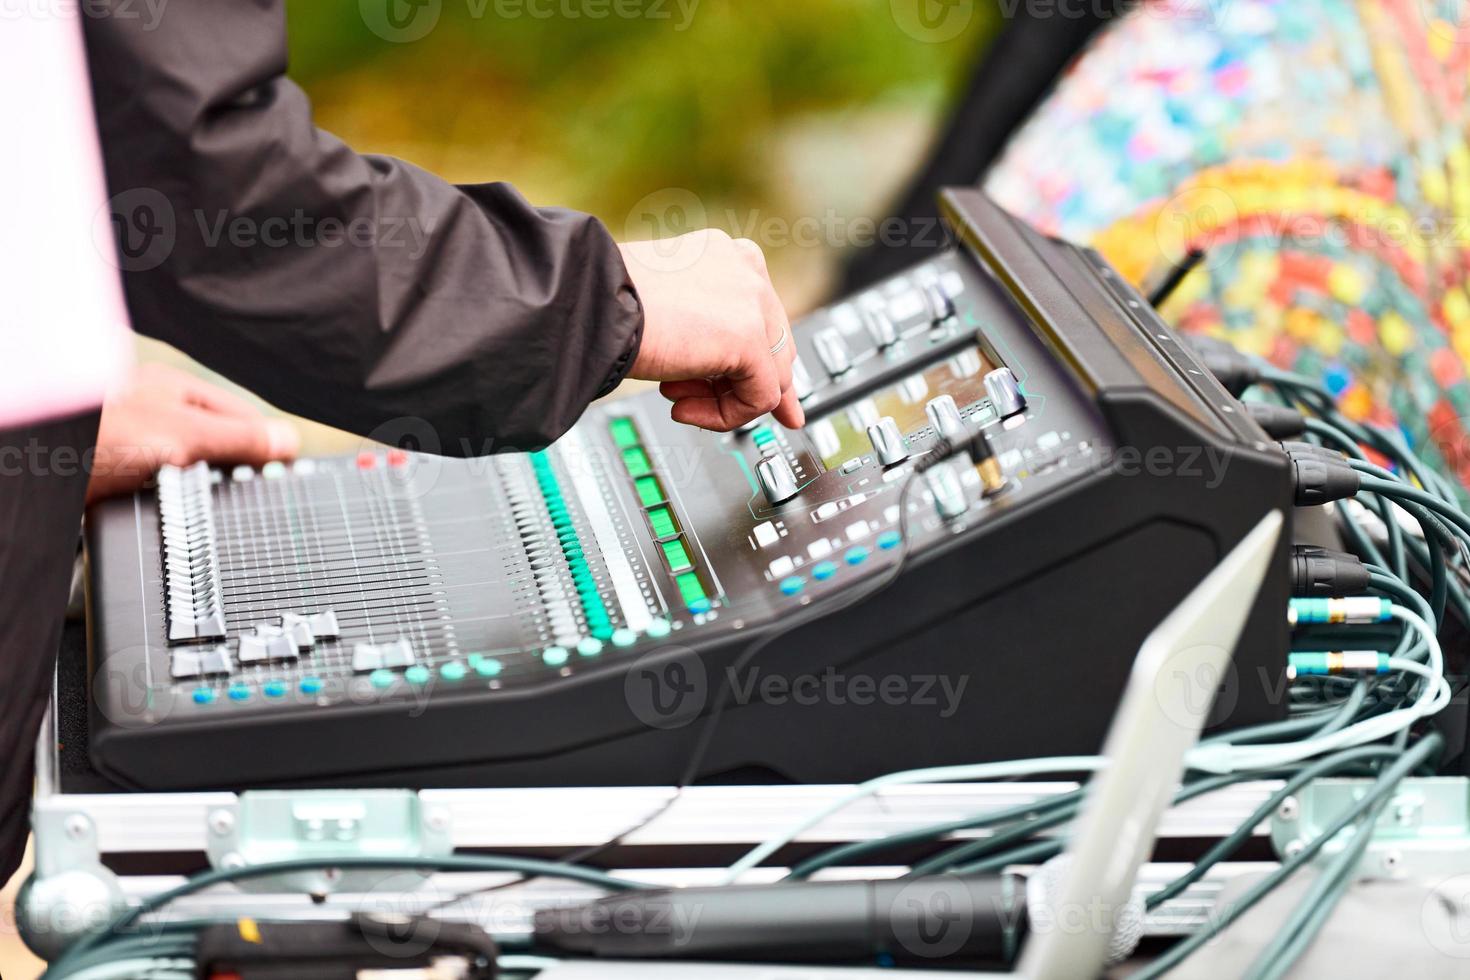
(567, 616)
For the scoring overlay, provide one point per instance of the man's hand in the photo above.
(168, 416)
(711, 318)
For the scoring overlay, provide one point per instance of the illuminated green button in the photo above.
(692, 591)
(658, 629)
(637, 462)
(624, 638)
(624, 432)
(417, 674)
(763, 436)
(488, 667)
(590, 646)
(677, 555)
(662, 521)
(381, 678)
(650, 491)
(452, 671)
(554, 656)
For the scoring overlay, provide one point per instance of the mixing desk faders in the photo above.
(567, 616)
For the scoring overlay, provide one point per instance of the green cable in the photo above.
(1395, 534)
(1033, 853)
(1228, 845)
(1322, 896)
(1402, 491)
(846, 852)
(1381, 788)
(1027, 853)
(1307, 934)
(449, 863)
(1268, 732)
(988, 845)
(1435, 536)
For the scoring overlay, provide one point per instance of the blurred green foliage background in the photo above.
(764, 110)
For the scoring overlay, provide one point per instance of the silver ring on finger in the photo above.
(780, 345)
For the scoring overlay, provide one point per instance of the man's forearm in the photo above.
(348, 288)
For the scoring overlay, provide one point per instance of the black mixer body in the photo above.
(574, 616)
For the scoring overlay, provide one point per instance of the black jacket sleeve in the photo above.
(353, 289)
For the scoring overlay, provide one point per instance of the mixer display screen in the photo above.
(843, 434)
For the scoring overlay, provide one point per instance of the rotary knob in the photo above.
(944, 416)
(832, 351)
(941, 306)
(880, 326)
(947, 489)
(777, 478)
(1005, 393)
(888, 442)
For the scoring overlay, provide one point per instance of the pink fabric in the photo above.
(64, 337)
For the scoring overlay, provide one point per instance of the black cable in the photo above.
(1176, 277)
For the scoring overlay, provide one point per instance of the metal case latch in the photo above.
(268, 826)
(1424, 830)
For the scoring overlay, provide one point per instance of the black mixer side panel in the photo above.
(570, 616)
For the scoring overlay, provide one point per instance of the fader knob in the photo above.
(1005, 393)
(880, 326)
(833, 352)
(944, 416)
(777, 478)
(888, 441)
(801, 381)
(941, 306)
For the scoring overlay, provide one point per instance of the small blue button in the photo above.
(699, 606)
(822, 571)
(203, 695)
(554, 656)
(792, 585)
(889, 540)
(856, 555)
(239, 692)
(274, 689)
(311, 685)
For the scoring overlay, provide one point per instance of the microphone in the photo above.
(973, 919)
(1125, 924)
